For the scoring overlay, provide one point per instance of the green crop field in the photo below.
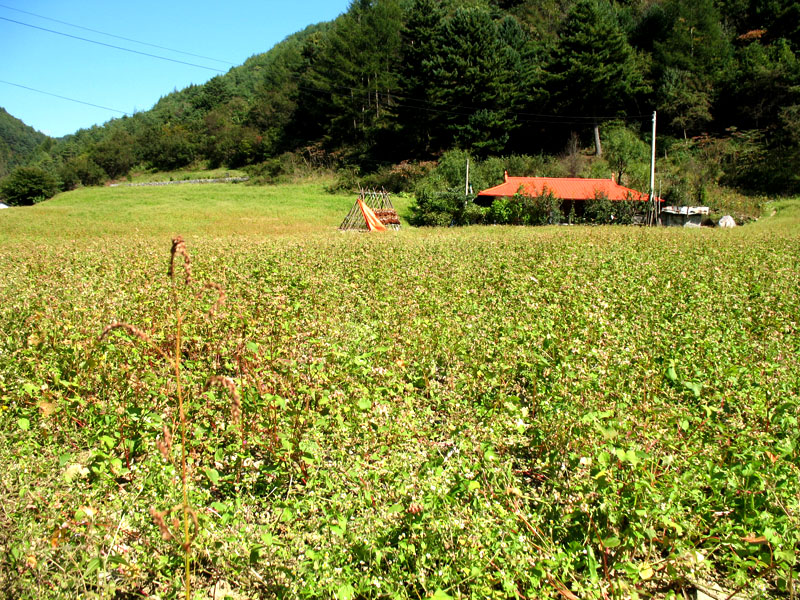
(484, 412)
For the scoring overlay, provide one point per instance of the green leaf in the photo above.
(213, 475)
(23, 424)
(672, 375)
(346, 592)
(611, 542)
(694, 387)
(440, 594)
(93, 566)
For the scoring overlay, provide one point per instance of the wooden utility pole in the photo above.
(598, 148)
(653, 202)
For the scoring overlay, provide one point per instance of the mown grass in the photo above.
(477, 412)
(203, 209)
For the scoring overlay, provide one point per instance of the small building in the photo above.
(683, 216)
(3, 205)
(572, 191)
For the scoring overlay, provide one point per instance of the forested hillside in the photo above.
(406, 80)
(18, 142)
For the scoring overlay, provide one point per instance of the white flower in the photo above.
(75, 470)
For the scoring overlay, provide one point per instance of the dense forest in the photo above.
(18, 143)
(392, 85)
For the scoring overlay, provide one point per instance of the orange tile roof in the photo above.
(566, 188)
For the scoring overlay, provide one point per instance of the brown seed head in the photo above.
(179, 248)
(158, 519)
(414, 509)
(164, 445)
(228, 384)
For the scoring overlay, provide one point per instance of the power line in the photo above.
(119, 37)
(112, 46)
(428, 105)
(465, 110)
(25, 87)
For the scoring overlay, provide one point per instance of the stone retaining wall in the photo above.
(151, 183)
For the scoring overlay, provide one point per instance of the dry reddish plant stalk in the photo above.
(164, 445)
(158, 519)
(135, 332)
(228, 384)
(179, 248)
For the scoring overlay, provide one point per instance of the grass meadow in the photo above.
(484, 412)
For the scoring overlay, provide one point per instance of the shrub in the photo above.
(438, 209)
(347, 180)
(599, 210)
(526, 210)
(402, 177)
(474, 214)
(82, 169)
(114, 154)
(278, 169)
(602, 211)
(28, 185)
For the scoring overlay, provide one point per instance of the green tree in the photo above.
(691, 55)
(115, 154)
(625, 151)
(415, 114)
(351, 77)
(685, 100)
(81, 170)
(169, 146)
(473, 75)
(18, 143)
(693, 39)
(28, 185)
(763, 80)
(595, 71)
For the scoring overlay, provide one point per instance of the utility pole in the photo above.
(653, 201)
(466, 183)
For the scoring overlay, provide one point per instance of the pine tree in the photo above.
(475, 74)
(351, 76)
(415, 116)
(595, 71)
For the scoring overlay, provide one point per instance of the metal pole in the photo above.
(466, 183)
(653, 173)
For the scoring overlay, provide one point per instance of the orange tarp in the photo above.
(373, 222)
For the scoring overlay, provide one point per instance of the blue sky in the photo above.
(230, 32)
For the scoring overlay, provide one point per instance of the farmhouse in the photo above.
(572, 191)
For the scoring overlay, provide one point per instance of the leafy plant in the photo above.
(28, 185)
